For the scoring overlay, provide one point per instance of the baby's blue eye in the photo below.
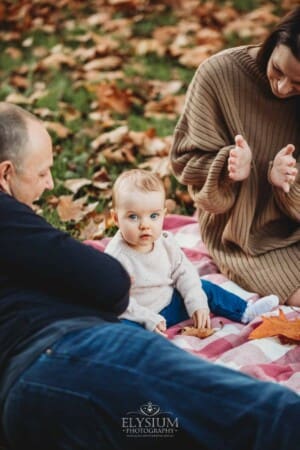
(154, 216)
(132, 216)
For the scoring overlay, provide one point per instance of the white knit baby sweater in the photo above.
(154, 277)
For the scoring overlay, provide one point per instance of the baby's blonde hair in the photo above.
(140, 179)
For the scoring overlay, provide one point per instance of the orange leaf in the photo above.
(201, 333)
(280, 326)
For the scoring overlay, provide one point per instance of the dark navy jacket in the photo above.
(47, 276)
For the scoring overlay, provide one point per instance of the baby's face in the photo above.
(139, 216)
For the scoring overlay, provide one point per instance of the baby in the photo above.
(166, 288)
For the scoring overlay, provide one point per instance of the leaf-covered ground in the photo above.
(109, 78)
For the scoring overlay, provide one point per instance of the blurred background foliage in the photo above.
(109, 78)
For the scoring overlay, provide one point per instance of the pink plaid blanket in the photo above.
(267, 358)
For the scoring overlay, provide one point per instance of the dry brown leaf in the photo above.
(13, 52)
(115, 136)
(225, 15)
(105, 63)
(18, 99)
(194, 56)
(101, 180)
(19, 82)
(157, 164)
(92, 230)
(74, 184)
(169, 105)
(101, 175)
(98, 19)
(201, 333)
(111, 97)
(280, 326)
(156, 146)
(128, 3)
(122, 27)
(58, 128)
(56, 60)
(210, 36)
(69, 209)
(124, 154)
(10, 36)
(164, 88)
(165, 35)
(263, 15)
(144, 46)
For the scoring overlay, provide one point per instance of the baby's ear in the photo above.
(114, 216)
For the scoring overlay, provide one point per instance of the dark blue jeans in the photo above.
(221, 302)
(114, 386)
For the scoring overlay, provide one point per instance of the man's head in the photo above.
(139, 208)
(25, 154)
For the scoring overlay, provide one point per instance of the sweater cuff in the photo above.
(152, 321)
(195, 304)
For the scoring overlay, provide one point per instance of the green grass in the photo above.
(243, 5)
(145, 27)
(74, 156)
(163, 126)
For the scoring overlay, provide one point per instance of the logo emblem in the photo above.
(149, 409)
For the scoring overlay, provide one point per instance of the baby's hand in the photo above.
(284, 171)
(160, 328)
(239, 161)
(201, 318)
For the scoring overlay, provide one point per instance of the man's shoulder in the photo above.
(9, 203)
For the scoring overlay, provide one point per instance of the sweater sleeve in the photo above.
(142, 315)
(289, 203)
(135, 312)
(185, 276)
(35, 254)
(202, 141)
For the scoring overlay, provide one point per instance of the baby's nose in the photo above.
(144, 223)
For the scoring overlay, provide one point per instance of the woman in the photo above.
(237, 147)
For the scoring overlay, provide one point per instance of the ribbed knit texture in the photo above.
(251, 228)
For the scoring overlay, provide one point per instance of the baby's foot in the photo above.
(261, 306)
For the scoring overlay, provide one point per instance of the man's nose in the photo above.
(49, 182)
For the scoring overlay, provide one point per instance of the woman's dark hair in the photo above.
(286, 32)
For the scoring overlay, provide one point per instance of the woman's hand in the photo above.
(284, 171)
(239, 161)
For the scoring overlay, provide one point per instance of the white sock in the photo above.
(261, 306)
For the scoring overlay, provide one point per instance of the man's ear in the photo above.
(114, 216)
(6, 170)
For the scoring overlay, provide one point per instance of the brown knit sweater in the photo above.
(251, 228)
